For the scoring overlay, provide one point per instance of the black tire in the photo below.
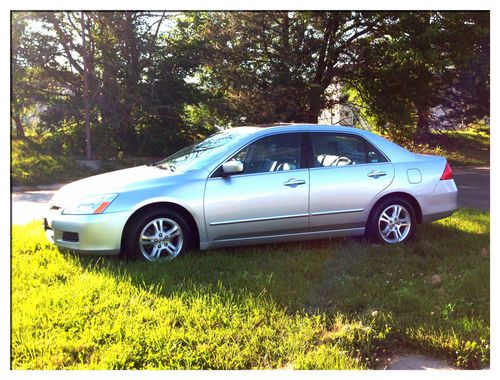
(373, 232)
(137, 251)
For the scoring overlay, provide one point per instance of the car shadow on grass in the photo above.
(348, 275)
(431, 294)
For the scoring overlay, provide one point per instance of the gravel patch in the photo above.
(416, 362)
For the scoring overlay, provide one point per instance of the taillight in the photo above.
(447, 173)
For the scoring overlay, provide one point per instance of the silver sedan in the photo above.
(251, 185)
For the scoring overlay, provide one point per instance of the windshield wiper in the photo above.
(165, 167)
(154, 163)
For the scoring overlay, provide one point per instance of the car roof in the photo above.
(393, 151)
(299, 126)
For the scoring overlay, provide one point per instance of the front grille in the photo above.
(70, 236)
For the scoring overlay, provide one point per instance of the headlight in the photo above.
(91, 205)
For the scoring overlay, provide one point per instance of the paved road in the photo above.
(31, 204)
(473, 185)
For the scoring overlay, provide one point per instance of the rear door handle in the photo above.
(294, 182)
(376, 173)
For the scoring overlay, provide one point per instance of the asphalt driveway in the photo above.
(31, 204)
(473, 187)
(473, 191)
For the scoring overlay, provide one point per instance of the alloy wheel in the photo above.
(161, 238)
(394, 223)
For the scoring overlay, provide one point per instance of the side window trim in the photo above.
(307, 151)
(369, 145)
(365, 144)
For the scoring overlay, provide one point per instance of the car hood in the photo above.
(115, 182)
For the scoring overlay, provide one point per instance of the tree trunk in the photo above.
(313, 114)
(88, 147)
(131, 51)
(315, 104)
(19, 126)
(422, 132)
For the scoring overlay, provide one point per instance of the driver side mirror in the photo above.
(232, 167)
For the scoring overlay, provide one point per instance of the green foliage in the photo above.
(158, 81)
(275, 66)
(481, 128)
(325, 357)
(466, 147)
(201, 119)
(426, 62)
(46, 160)
(320, 305)
(137, 91)
(33, 165)
(40, 161)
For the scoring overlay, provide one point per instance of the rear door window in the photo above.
(340, 149)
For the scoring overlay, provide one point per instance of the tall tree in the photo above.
(126, 60)
(86, 101)
(276, 66)
(20, 80)
(424, 71)
(157, 80)
(467, 40)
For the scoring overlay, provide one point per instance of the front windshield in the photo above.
(198, 155)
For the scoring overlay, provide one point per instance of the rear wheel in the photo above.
(158, 235)
(392, 222)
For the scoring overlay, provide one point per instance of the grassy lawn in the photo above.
(461, 148)
(32, 165)
(339, 304)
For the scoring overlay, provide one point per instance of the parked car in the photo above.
(250, 185)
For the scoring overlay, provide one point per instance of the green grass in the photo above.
(339, 304)
(32, 164)
(464, 148)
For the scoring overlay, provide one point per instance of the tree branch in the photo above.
(66, 42)
(158, 27)
(331, 28)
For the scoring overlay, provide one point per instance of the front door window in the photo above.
(271, 154)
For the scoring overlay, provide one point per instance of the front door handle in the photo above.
(376, 173)
(294, 182)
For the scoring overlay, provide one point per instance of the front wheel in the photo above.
(392, 222)
(155, 235)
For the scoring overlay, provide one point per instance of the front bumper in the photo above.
(98, 234)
